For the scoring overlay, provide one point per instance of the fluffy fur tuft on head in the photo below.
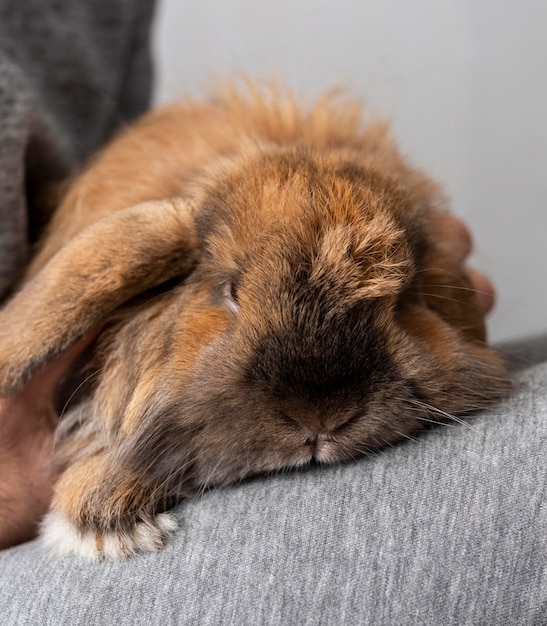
(269, 291)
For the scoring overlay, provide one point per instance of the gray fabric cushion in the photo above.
(447, 529)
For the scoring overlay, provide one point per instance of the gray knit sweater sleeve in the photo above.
(71, 71)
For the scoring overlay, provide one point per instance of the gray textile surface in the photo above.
(70, 72)
(448, 529)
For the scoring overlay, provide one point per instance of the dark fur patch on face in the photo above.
(326, 349)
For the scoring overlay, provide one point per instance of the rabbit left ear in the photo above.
(109, 262)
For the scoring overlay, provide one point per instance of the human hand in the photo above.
(27, 426)
(454, 237)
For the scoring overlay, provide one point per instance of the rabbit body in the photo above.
(309, 314)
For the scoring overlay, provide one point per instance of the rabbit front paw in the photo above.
(61, 535)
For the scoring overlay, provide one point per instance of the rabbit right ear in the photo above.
(109, 262)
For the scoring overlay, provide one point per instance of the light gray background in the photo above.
(464, 81)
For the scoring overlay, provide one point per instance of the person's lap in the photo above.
(447, 529)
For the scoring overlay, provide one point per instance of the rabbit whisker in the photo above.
(450, 416)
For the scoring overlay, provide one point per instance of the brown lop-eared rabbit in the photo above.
(269, 293)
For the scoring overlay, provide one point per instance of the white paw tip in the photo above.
(63, 537)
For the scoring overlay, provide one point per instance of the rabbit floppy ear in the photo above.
(103, 266)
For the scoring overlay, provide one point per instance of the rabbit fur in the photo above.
(269, 292)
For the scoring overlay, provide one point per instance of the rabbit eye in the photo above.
(229, 292)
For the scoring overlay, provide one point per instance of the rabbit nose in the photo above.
(321, 427)
(317, 442)
(310, 424)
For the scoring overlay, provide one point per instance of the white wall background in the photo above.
(465, 82)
